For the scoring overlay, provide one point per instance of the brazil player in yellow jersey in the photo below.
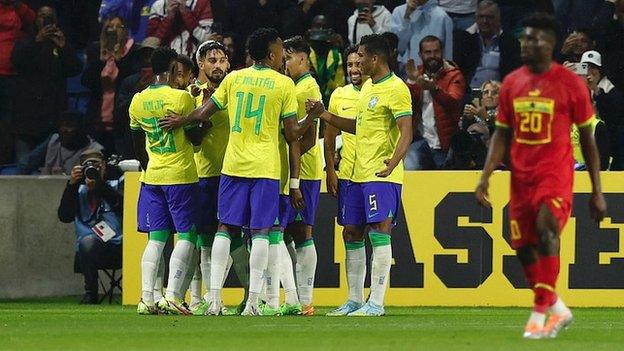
(383, 133)
(257, 99)
(170, 181)
(342, 103)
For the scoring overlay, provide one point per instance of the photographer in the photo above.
(368, 18)
(93, 200)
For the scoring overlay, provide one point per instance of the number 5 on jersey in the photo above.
(248, 101)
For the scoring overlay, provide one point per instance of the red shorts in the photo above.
(525, 204)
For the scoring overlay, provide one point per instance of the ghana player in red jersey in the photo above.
(539, 102)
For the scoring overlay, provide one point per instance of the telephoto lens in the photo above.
(91, 170)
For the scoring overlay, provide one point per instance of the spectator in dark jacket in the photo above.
(299, 17)
(43, 62)
(484, 51)
(109, 62)
(608, 32)
(437, 89)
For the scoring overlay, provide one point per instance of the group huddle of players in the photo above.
(234, 156)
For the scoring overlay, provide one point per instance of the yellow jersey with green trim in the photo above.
(376, 135)
(284, 165)
(170, 153)
(209, 158)
(257, 99)
(306, 89)
(343, 103)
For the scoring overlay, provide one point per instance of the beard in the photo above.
(433, 64)
(216, 76)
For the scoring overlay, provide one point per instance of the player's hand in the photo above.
(597, 206)
(76, 175)
(482, 193)
(171, 121)
(296, 199)
(390, 165)
(332, 183)
(195, 90)
(315, 108)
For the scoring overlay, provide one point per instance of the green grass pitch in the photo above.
(63, 325)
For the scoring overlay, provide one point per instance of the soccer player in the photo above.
(170, 181)
(257, 99)
(539, 102)
(181, 74)
(343, 103)
(383, 133)
(301, 222)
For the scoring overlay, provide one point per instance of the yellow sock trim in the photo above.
(544, 286)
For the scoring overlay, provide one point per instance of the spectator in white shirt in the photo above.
(368, 18)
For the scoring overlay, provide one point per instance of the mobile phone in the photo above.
(476, 93)
(111, 39)
(579, 68)
(47, 21)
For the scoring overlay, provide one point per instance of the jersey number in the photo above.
(531, 122)
(249, 113)
(160, 142)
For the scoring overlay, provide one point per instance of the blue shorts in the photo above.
(311, 190)
(285, 209)
(207, 199)
(171, 207)
(142, 212)
(371, 202)
(343, 188)
(251, 202)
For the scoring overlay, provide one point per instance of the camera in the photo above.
(91, 170)
(47, 21)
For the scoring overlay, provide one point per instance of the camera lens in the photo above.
(91, 172)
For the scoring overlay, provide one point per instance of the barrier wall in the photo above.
(448, 250)
(36, 249)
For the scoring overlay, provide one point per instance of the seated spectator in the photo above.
(134, 12)
(93, 200)
(483, 109)
(484, 51)
(437, 88)
(325, 56)
(368, 18)
(43, 61)
(577, 43)
(608, 101)
(109, 62)
(61, 151)
(181, 24)
(417, 19)
(462, 12)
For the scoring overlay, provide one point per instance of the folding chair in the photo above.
(115, 283)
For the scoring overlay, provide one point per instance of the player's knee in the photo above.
(527, 255)
(352, 233)
(382, 227)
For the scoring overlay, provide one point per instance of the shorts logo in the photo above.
(372, 201)
(373, 102)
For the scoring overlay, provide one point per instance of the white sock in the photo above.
(559, 308)
(292, 253)
(537, 318)
(178, 265)
(287, 275)
(218, 261)
(227, 270)
(149, 269)
(196, 285)
(160, 277)
(190, 272)
(380, 270)
(306, 269)
(258, 260)
(240, 255)
(356, 270)
(273, 269)
(204, 266)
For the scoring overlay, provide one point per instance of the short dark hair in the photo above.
(162, 58)
(392, 39)
(259, 42)
(73, 117)
(297, 44)
(351, 49)
(429, 39)
(542, 21)
(185, 61)
(376, 44)
(208, 46)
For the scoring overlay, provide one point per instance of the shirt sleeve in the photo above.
(134, 123)
(220, 96)
(582, 110)
(289, 102)
(333, 102)
(400, 101)
(186, 106)
(503, 116)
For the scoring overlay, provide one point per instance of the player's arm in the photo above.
(138, 141)
(294, 158)
(308, 140)
(406, 130)
(498, 148)
(329, 146)
(344, 124)
(195, 135)
(597, 203)
(200, 115)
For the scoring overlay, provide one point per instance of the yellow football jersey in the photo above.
(257, 99)
(381, 103)
(311, 162)
(284, 166)
(342, 103)
(170, 153)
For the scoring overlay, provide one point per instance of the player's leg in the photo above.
(528, 257)
(240, 262)
(272, 281)
(291, 305)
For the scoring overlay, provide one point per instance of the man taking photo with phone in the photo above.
(368, 18)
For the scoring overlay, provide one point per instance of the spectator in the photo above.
(462, 12)
(109, 62)
(325, 56)
(265, 13)
(513, 12)
(608, 29)
(230, 41)
(43, 62)
(608, 101)
(134, 12)
(483, 110)
(368, 18)
(298, 18)
(61, 151)
(93, 200)
(484, 51)
(468, 149)
(16, 19)
(577, 43)
(417, 19)
(437, 88)
(181, 24)
(574, 14)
